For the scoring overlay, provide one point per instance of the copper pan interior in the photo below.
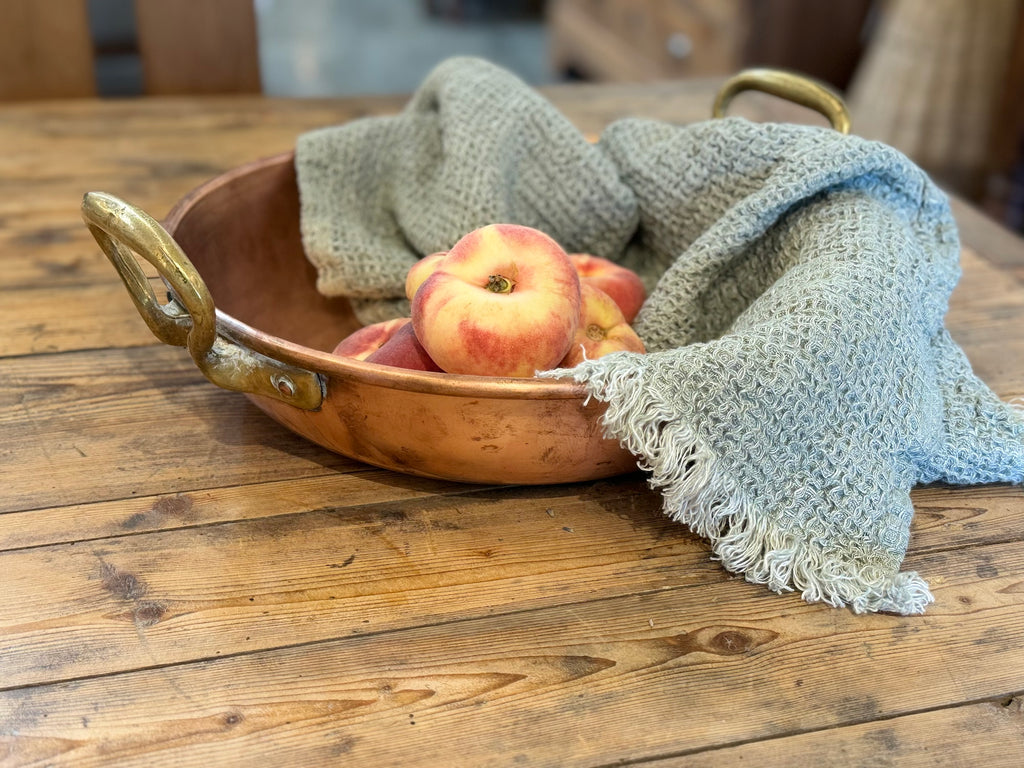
(241, 232)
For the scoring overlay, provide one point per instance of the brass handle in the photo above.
(786, 85)
(189, 319)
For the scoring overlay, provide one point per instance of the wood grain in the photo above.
(695, 668)
(194, 508)
(31, 327)
(945, 517)
(989, 733)
(996, 244)
(306, 575)
(144, 420)
(320, 565)
(150, 153)
(985, 305)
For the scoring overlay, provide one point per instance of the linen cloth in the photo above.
(799, 379)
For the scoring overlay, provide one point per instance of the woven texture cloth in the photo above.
(799, 381)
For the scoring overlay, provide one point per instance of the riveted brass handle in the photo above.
(786, 85)
(189, 319)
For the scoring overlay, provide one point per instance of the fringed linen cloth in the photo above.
(800, 380)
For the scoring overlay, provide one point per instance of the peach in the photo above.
(403, 350)
(505, 301)
(622, 284)
(420, 271)
(603, 329)
(362, 343)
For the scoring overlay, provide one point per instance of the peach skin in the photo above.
(505, 301)
(603, 329)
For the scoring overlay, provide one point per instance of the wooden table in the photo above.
(184, 582)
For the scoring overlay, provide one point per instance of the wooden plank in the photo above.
(985, 297)
(989, 734)
(144, 421)
(944, 517)
(984, 308)
(694, 669)
(145, 152)
(996, 244)
(60, 253)
(994, 362)
(458, 554)
(191, 509)
(194, 46)
(331, 572)
(947, 517)
(90, 317)
(52, 156)
(45, 50)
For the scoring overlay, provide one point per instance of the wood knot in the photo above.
(721, 641)
(730, 642)
(147, 613)
(121, 584)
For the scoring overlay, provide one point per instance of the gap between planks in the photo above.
(834, 745)
(978, 514)
(363, 488)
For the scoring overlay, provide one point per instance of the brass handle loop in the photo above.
(190, 318)
(786, 85)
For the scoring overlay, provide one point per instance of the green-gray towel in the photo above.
(800, 380)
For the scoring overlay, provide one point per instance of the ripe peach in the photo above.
(364, 342)
(403, 350)
(603, 329)
(505, 301)
(622, 284)
(420, 271)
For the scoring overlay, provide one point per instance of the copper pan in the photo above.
(245, 305)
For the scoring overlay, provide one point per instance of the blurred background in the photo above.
(941, 80)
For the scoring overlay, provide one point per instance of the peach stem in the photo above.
(500, 284)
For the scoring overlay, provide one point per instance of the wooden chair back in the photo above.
(185, 47)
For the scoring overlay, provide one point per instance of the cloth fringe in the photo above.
(699, 495)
